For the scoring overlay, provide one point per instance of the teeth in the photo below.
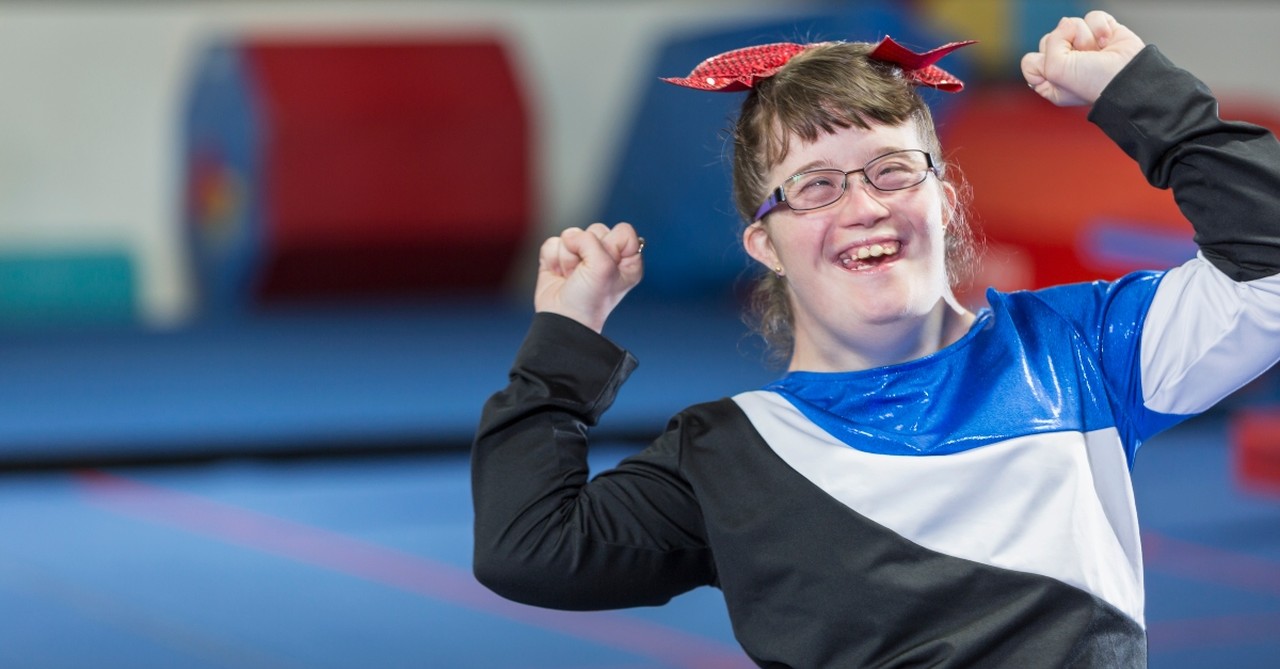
(872, 251)
(877, 250)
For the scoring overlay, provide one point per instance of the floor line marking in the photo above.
(349, 555)
(1210, 565)
(1175, 636)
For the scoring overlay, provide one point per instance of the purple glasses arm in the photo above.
(775, 199)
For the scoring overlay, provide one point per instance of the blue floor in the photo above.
(363, 562)
(358, 554)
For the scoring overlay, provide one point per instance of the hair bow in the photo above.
(740, 69)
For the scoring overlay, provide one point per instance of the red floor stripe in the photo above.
(380, 564)
(1211, 565)
(440, 581)
(1172, 636)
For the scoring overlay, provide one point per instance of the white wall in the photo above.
(1231, 44)
(91, 96)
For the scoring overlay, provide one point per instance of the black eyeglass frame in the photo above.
(779, 197)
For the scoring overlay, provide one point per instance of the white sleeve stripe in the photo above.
(1207, 335)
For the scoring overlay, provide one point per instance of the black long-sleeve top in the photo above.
(971, 508)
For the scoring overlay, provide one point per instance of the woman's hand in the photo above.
(583, 274)
(1079, 57)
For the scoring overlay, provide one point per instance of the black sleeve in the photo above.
(1225, 175)
(544, 535)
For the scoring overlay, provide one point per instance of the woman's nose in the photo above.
(862, 203)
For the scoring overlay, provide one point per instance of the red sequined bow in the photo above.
(740, 69)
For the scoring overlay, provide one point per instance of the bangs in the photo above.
(807, 124)
(805, 100)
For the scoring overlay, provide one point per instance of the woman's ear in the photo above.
(755, 239)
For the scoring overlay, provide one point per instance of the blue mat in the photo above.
(331, 379)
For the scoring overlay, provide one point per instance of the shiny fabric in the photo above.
(1036, 364)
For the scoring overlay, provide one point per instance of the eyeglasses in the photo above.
(815, 189)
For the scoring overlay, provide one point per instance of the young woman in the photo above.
(926, 486)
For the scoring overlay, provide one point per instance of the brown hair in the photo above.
(825, 88)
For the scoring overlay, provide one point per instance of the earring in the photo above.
(777, 269)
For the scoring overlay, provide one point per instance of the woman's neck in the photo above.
(879, 345)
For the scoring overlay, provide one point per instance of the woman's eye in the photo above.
(817, 182)
(891, 168)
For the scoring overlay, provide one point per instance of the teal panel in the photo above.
(58, 287)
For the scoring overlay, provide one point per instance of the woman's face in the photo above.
(870, 259)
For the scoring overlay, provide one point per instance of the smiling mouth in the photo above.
(871, 255)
